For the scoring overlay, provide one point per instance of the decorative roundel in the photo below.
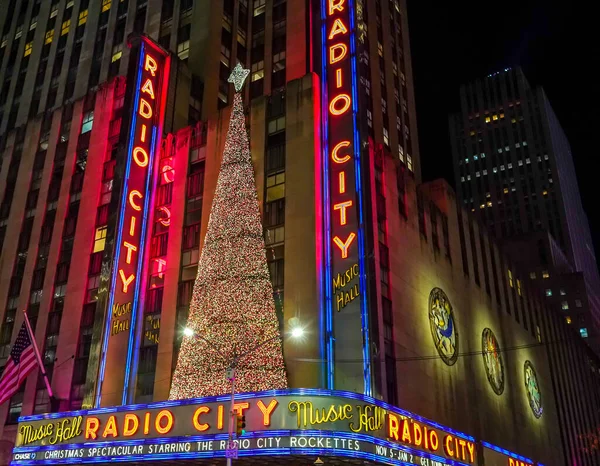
(533, 390)
(443, 326)
(492, 360)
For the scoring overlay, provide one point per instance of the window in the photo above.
(568, 319)
(545, 274)
(49, 36)
(564, 305)
(106, 5)
(532, 275)
(548, 292)
(88, 121)
(519, 287)
(28, 49)
(54, 10)
(275, 186)
(276, 125)
(259, 7)
(100, 239)
(583, 332)
(64, 29)
(563, 292)
(510, 279)
(183, 50)
(258, 71)
(82, 18)
(117, 52)
(578, 303)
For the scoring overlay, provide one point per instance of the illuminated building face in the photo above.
(129, 264)
(344, 273)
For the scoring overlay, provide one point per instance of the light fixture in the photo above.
(188, 332)
(297, 332)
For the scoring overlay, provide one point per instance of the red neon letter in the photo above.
(342, 206)
(201, 410)
(130, 248)
(145, 110)
(148, 88)
(344, 245)
(336, 5)
(267, 410)
(130, 424)
(342, 182)
(334, 152)
(91, 428)
(164, 414)
(334, 109)
(151, 65)
(126, 281)
(132, 194)
(337, 52)
(141, 162)
(337, 28)
(111, 428)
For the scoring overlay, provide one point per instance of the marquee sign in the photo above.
(347, 334)
(126, 292)
(279, 422)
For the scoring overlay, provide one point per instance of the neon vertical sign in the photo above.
(347, 336)
(126, 291)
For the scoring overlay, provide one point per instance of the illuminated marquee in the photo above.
(278, 422)
(345, 269)
(148, 102)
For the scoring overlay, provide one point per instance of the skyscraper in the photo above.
(513, 166)
(404, 299)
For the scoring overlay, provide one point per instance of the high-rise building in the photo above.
(403, 298)
(513, 166)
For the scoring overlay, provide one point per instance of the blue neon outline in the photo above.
(506, 452)
(330, 371)
(134, 336)
(250, 452)
(361, 234)
(245, 396)
(119, 234)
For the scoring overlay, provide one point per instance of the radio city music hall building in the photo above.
(424, 344)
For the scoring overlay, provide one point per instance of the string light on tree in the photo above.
(232, 304)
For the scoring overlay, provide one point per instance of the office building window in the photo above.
(564, 305)
(100, 239)
(583, 332)
(87, 123)
(548, 292)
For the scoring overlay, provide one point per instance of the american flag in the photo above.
(21, 362)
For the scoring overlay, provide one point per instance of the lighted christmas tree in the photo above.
(232, 310)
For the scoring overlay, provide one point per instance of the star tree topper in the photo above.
(238, 76)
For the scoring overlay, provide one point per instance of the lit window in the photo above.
(564, 306)
(545, 274)
(563, 292)
(386, 138)
(401, 152)
(524, 143)
(117, 52)
(88, 121)
(495, 117)
(28, 48)
(106, 5)
(183, 49)
(82, 17)
(583, 332)
(49, 36)
(500, 150)
(578, 303)
(258, 70)
(64, 29)
(4, 41)
(519, 287)
(532, 275)
(54, 10)
(487, 119)
(538, 334)
(275, 187)
(475, 157)
(409, 163)
(548, 292)
(259, 7)
(100, 239)
(278, 61)
(276, 125)
(510, 279)
(502, 115)
(33, 23)
(568, 319)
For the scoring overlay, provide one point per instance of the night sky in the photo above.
(554, 42)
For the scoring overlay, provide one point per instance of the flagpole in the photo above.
(37, 355)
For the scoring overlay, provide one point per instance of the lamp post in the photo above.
(296, 332)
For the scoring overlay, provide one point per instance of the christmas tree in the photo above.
(232, 311)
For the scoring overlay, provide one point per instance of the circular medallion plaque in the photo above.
(492, 361)
(533, 389)
(443, 326)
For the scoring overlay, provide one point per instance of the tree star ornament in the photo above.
(238, 76)
(232, 306)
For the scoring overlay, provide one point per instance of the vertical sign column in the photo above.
(346, 311)
(127, 286)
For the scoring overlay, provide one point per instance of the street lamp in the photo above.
(296, 332)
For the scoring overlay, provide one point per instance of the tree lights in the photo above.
(232, 305)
